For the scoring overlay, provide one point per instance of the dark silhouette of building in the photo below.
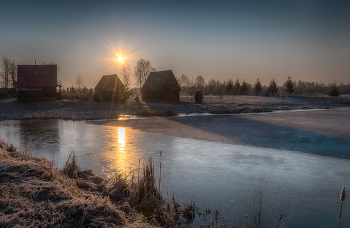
(198, 97)
(161, 86)
(110, 87)
(36, 82)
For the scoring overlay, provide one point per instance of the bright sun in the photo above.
(120, 58)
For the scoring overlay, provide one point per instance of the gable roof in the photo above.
(109, 81)
(157, 79)
(36, 76)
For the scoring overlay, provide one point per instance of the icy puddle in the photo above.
(217, 175)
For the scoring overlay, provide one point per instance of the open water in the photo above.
(217, 176)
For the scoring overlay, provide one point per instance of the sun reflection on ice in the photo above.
(120, 153)
(121, 139)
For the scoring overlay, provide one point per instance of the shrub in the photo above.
(96, 97)
(334, 90)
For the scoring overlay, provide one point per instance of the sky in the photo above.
(308, 40)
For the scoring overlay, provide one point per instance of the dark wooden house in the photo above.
(161, 86)
(110, 88)
(36, 82)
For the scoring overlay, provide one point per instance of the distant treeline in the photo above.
(241, 87)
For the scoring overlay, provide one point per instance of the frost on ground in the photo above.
(35, 193)
(11, 109)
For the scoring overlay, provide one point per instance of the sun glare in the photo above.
(120, 59)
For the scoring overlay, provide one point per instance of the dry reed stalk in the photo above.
(342, 199)
(71, 168)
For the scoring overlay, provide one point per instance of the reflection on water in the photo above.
(218, 176)
(121, 137)
(118, 153)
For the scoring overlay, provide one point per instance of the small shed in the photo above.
(161, 86)
(110, 87)
(40, 80)
(198, 97)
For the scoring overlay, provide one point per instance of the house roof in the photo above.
(156, 80)
(109, 81)
(36, 76)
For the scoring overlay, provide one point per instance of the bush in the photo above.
(334, 90)
(96, 97)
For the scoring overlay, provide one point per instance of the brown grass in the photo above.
(34, 192)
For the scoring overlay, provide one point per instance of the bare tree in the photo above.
(220, 88)
(212, 85)
(126, 82)
(5, 66)
(188, 84)
(142, 69)
(183, 80)
(191, 86)
(13, 72)
(200, 82)
(79, 81)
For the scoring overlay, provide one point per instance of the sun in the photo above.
(120, 59)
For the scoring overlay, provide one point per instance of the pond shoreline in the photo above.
(11, 109)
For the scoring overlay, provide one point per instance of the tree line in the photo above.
(8, 79)
(229, 87)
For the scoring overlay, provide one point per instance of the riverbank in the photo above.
(35, 193)
(11, 109)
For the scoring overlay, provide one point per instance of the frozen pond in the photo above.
(217, 175)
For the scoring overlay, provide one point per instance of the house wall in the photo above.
(49, 92)
(170, 95)
(110, 96)
(42, 77)
(36, 76)
(152, 96)
(30, 96)
(164, 95)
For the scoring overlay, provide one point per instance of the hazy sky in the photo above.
(308, 40)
